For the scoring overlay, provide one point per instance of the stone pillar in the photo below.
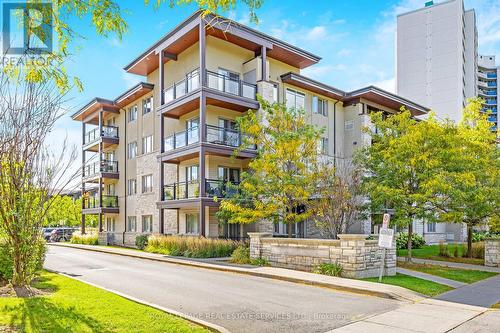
(492, 252)
(256, 244)
(103, 238)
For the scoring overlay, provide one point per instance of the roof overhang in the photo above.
(93, 106)
(133, 93)
(187, 34)
(312, 85)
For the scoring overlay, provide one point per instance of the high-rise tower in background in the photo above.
(488, 88)
(436, 57)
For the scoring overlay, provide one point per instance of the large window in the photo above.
(147, 144)
(320, 106)
(131, 186)
(132, 150)
(431, 227)
(192, 173)
(132, 113)
(110, 224)
(191, 223)
(147, 223)
(147, 183)
(147, 105)
(131, 224)
(295, 99)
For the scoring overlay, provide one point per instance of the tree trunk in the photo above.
(409, 244)
(469, 241)
(289, 227)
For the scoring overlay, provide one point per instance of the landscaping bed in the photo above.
(432, 252)
(457, 274)
(73, 306)
(421, 286)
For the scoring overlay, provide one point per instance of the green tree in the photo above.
(399, 165)
(281, 179)
(64, 211)
(469, 186)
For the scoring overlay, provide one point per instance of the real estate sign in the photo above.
(385, 238)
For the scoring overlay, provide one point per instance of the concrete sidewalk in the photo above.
(433, 278)
(453, 264)
(341, 284)
(426, 316)
(482, 293)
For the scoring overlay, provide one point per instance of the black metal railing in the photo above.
(108, 201)
(182, 139)
(92, 169)
(226, 136)
(220, 188)
(94, 135)
(231, 85)
(189, 83)
(181, 190)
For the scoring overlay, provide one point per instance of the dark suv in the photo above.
(62, 234)
(47, 232)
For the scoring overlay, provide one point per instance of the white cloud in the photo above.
(388, 85)
(320, 71)
(318, 32)
(130, 80)
(344, 52)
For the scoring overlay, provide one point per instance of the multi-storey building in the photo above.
(155, 157)
(436, 57)
(488, 88)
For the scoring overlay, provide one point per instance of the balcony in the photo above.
(491, 75)
(108, 136)
(219, 188)
(219, 82)
(191, 190)
(106, 169)
(182, 139)
(109, 204)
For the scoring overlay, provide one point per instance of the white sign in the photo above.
(385, 238)
(385, 221)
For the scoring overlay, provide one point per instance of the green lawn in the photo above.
(74, 306)
(424, 287)
(462, 275)
(432, 252)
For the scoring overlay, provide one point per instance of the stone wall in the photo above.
(492, 252)
(358, 257)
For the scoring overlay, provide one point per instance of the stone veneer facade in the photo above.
(359, 258)
(492, 252)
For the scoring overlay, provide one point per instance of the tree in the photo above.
(28, 171)
(339, 200)
(469, 190)
(63, 211)
(281, 179)
(399, 167)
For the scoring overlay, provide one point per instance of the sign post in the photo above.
(385, 239)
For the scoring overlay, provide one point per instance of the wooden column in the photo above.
(100, 152)
(263, 55)
(203, 128)
(202, 50)
(161, 77)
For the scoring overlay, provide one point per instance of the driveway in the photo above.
(240, 303)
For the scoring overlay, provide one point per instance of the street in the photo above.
(240, 303)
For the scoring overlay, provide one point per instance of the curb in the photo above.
(395, 295)
(205, 324)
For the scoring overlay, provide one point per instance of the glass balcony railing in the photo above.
(226, 136)
(219, 188)
(491, 75)
(92, 169)
(182, 139)
(492, 84)
(190, 83)
(94, 135)
(108, 201)
(181, 190)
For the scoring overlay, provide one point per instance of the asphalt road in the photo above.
(240, 303)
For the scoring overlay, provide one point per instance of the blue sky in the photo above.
(354, 38)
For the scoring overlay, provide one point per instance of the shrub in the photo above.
(241, 255)
(86, 239)
(443, 250)
(192, 247)
(481, 236)
(477, 250)
(326, 268)
(417, 241)
(5, 262)
(141, 241)
(260, 262)
(35, 260)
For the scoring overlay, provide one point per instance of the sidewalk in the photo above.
(426, 316)
(482, 293)
(433, 278)
(341, 284)
(453, 264)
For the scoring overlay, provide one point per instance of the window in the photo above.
(110, 224)
(132, 113)
(132, 186)
(192, 173)
(295, 99)
(147, 105)
(132, 150)
(147, 144)
(191, 223)
(147, 223)
(431, 227)
(131, 224)
(323, 146)
(320, 106)
(147, 183)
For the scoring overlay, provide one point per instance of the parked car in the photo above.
(61, 234)
(47, 232)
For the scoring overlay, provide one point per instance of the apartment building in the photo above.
(488, 87)
(154, 158)
(436, 57)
